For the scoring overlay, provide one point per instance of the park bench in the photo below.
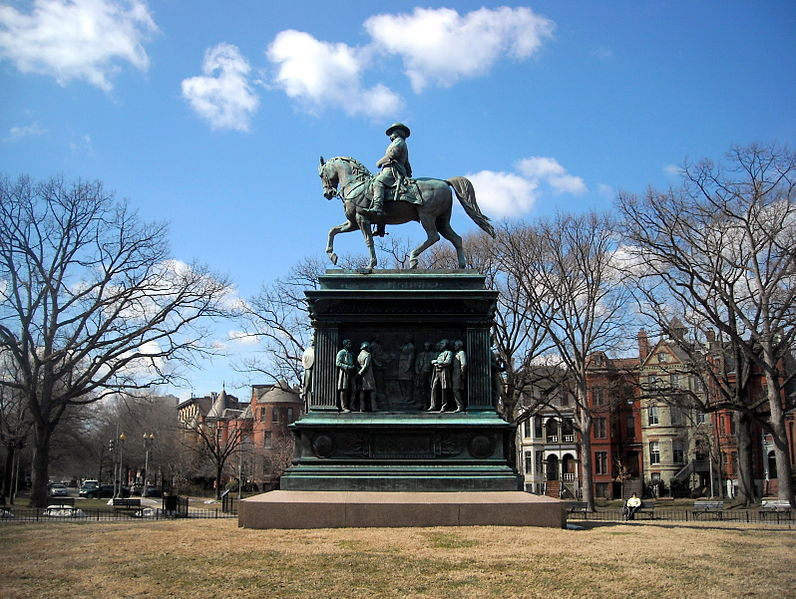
(128, 504)
(647, 509)
(70, 501)
(778, 507)
(714, 508)
(578, 507)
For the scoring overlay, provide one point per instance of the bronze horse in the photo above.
(434, 213)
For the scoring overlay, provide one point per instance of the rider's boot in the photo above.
(377, 207)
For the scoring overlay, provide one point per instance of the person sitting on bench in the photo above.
(632, 505)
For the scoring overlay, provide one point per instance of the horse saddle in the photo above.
(406, 190)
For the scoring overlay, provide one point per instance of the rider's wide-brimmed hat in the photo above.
(400, 126)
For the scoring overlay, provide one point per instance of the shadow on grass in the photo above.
(733, 526)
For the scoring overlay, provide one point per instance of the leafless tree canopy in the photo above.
(720, 252)
(569, 287)
(91, 302)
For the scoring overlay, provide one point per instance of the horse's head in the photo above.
(329, 179)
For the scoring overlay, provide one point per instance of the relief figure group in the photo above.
(432, 379)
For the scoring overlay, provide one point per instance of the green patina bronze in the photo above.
(415, 428)
(392, 198)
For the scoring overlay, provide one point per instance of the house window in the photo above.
(655, 452)
(526, 428)
(652, 415)
(275, 414)
(601, 462)
(674, 381)
(528, 462)
(290, 414)
(631, 427)
(598, 397)
(564, 399)
(267, 440)
(678, 455)
(539, 462)
(262, 415)
(676, 416)
(537, 427)
(700, 417)
(599, 428)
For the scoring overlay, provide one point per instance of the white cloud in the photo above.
(223, 96)
(549, 171)
(318, 73)
(18, 133)
(673, 170)
(504, 194)
(440, 46)
(77, 39)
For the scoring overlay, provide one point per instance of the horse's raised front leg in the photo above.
(432, 237)
(346, 227)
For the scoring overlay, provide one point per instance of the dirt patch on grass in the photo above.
(214, 558)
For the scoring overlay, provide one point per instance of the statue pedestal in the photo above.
(359, 509)
(402, 455)
(401, 452)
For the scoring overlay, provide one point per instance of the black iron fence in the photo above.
(752, 516)
(172, 507)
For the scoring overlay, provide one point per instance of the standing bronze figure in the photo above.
(345, 375)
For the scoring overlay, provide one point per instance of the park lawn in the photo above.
(215, 559)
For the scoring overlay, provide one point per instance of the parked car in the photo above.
(89, 488)
(58, 490)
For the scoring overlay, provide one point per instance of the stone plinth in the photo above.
(358, 509)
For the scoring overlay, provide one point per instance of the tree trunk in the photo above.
(8, 470)
(40, 470)
(743, 437)
(585, 459)
(781, 454)
(219, 468)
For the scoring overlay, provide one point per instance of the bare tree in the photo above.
(15, 426)
(278, 317)
(91, 303)
(723, 247)
(210, 439)
(565, 270)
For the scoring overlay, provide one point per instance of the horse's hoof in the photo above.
(333, 258)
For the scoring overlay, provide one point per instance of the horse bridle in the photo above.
(338, 192)
(327, 187)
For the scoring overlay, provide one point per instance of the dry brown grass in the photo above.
(215, 559)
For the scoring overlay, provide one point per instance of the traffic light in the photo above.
(111, 445)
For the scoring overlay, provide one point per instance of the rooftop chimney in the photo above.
(643, 345)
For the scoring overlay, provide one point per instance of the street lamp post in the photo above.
(122, 438)
(148, 438)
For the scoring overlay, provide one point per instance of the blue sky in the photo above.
(212, 115)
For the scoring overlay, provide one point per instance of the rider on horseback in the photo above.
(395, 167)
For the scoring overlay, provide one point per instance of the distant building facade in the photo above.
(259, 428)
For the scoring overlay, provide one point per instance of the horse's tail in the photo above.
(466, 193)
